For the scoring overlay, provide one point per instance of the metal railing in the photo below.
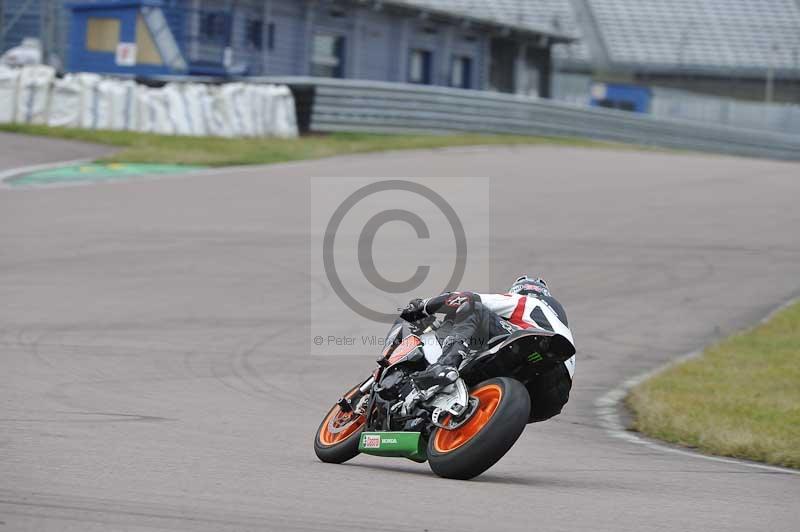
(354, 105)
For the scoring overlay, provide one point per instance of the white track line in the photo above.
(607, 408)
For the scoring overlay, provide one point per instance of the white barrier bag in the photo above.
(263, 104)
(165, 125)
(33, 96)
(104, 115)
(268, 106)
(89, 98)
(90, 101)
(115, 104)
(29, 52)
(237, 107)
(255, 97)
(9, 78)
(178, 109)
(153, 111)
(145, 113)
(127, 101)
(66, 102)
(218, 113)
(197, 102)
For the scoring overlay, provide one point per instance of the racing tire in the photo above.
(337, 437)
(501, 416)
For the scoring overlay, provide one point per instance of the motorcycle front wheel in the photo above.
(499, 419)
(337, 437)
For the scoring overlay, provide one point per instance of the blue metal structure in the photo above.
(126, 15)
(621, 96)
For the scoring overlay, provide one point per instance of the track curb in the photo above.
(8, 175)
(608, 408)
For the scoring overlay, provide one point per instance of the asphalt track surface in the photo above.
(153, 380)
(23, 150)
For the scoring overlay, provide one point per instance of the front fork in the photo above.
(367, 386)
(358, 407)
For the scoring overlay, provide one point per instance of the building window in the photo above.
(327, 56)
(254, 33)
(271, 36)
(214, 26)
(419, 67)
(461, 72)
(102, 34)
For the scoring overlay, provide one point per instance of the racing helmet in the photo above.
(525, 285)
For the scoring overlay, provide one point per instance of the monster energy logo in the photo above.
(534, 357)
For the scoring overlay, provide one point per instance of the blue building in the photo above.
(402, 40)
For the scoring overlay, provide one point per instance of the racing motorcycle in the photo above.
(461, 429)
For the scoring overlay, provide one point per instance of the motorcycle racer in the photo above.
(471, 320)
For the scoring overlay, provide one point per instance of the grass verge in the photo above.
(212, 151)
(741, 398)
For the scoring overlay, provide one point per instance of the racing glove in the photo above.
(414, 311)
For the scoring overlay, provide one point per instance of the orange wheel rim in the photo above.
(339, 425)
(488, 400)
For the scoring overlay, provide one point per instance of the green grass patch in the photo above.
(212, 151)
(741, 398)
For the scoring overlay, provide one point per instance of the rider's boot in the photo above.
(444, 371)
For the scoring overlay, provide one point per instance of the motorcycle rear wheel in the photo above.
(501, 416)
(337, 437)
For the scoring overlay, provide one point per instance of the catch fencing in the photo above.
(326, 105)
(779, 117)
(34, 95)
(686, 105)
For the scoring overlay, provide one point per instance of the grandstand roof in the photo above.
(739, 37)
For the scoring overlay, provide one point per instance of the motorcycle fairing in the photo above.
(405, 348)
(553, 320)
(550, 345)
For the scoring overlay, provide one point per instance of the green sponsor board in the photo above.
(403, 444)
(96, 173)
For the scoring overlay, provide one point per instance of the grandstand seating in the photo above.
(701, 34)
